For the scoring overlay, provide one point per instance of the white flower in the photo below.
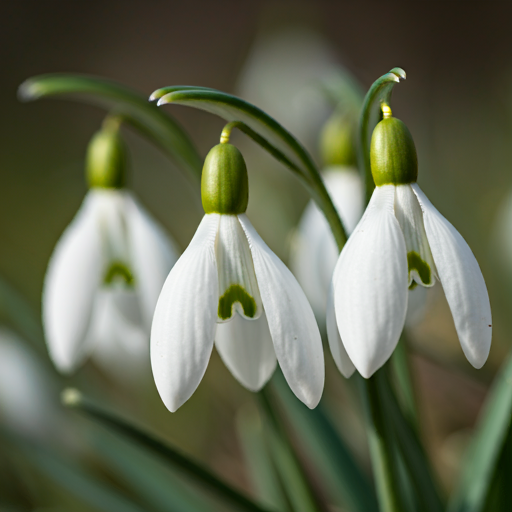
(314, 252)
(402, 241)
(228, 287)
(103, 281)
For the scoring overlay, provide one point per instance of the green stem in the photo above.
(382, 449)
(379, 92)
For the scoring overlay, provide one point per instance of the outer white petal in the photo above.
(341, 358)
(462, 281)
(291, 321)
(73, 276)
(247, 350)
(153, 254)
(184, 324)
(370, 285)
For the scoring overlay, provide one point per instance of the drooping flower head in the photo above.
(230, 289)
(107, 269)
(402, 241)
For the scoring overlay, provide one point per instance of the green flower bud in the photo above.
(105, 165)
(337, 141)
(224, 183)
(392, 153)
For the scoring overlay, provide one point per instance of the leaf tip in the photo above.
(28, 91)
(400, 73)
(71, 397)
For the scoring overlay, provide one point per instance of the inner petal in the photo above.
(421, 265)
(238, 288)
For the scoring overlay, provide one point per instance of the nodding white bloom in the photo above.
(228, 287)
(106, 272)
(401, 241)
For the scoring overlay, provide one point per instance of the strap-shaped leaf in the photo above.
(232, 108)
(480, 464)
(154, 124)
(267, 132)
(195, 471)
(344, 479)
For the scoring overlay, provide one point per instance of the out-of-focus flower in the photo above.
(229, 287)
(107, 269)
(402, 241)
(25, 404)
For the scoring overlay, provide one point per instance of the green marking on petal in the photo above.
(413, 285)
(236, 293)
(415, 262)
(118, 270)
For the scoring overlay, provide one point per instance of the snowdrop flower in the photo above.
(314, 252)
(107, 269)
(228, 287)
(401, 241)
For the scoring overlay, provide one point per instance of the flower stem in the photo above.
(384, 455)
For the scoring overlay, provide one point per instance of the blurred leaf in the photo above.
(147, 477)
(197, 473)
(265, 131)
(75, 480)
(257, 457)
(134, 108)
(379, 92)
(17, 312)
(481, 461)
(412, 453)
(317, 435)
(299, 489)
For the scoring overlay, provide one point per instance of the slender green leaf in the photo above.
(134, 108)
(75, 479)
(412, 453)
(17, 312)
(199, 474)
(262, 471)
(149, 478)
(380, 92)
(344, 479)
(299, 489)
(480, 463)
(264, 130)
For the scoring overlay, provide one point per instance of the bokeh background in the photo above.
(457, 102)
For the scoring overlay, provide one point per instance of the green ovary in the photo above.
(118, 270)
(236, 293)
(414, 262)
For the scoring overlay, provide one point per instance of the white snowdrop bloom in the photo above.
(106, 272)
(314, 252)
(230, 289)
(401, 239)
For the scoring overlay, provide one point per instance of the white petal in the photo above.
(185, 318)
(120, 339)
(462, 281)
(247, 350)
(339, 354)
(236, 271)
(416, 305)
(291, 321)
(153, 254)
(314, 251)
(408, 212)
(73, 276)
(370, 285)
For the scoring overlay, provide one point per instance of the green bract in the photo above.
(105, 165)
(224, 183)
(393, 154)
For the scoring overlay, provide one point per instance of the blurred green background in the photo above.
(457, 102)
